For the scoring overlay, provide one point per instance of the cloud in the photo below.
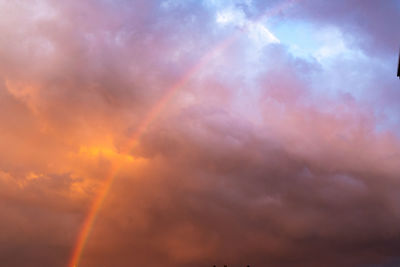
(370, 25)
(260, 157)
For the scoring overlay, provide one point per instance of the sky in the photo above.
(193, 133)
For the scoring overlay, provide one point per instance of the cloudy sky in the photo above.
(188, 133)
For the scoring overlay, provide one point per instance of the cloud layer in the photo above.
(263, 156)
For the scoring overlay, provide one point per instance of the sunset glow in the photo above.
(198, 133)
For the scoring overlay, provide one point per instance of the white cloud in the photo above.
(332, 44)
(258, 33)
(231, 16)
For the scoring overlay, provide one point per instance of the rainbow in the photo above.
(150, 117)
